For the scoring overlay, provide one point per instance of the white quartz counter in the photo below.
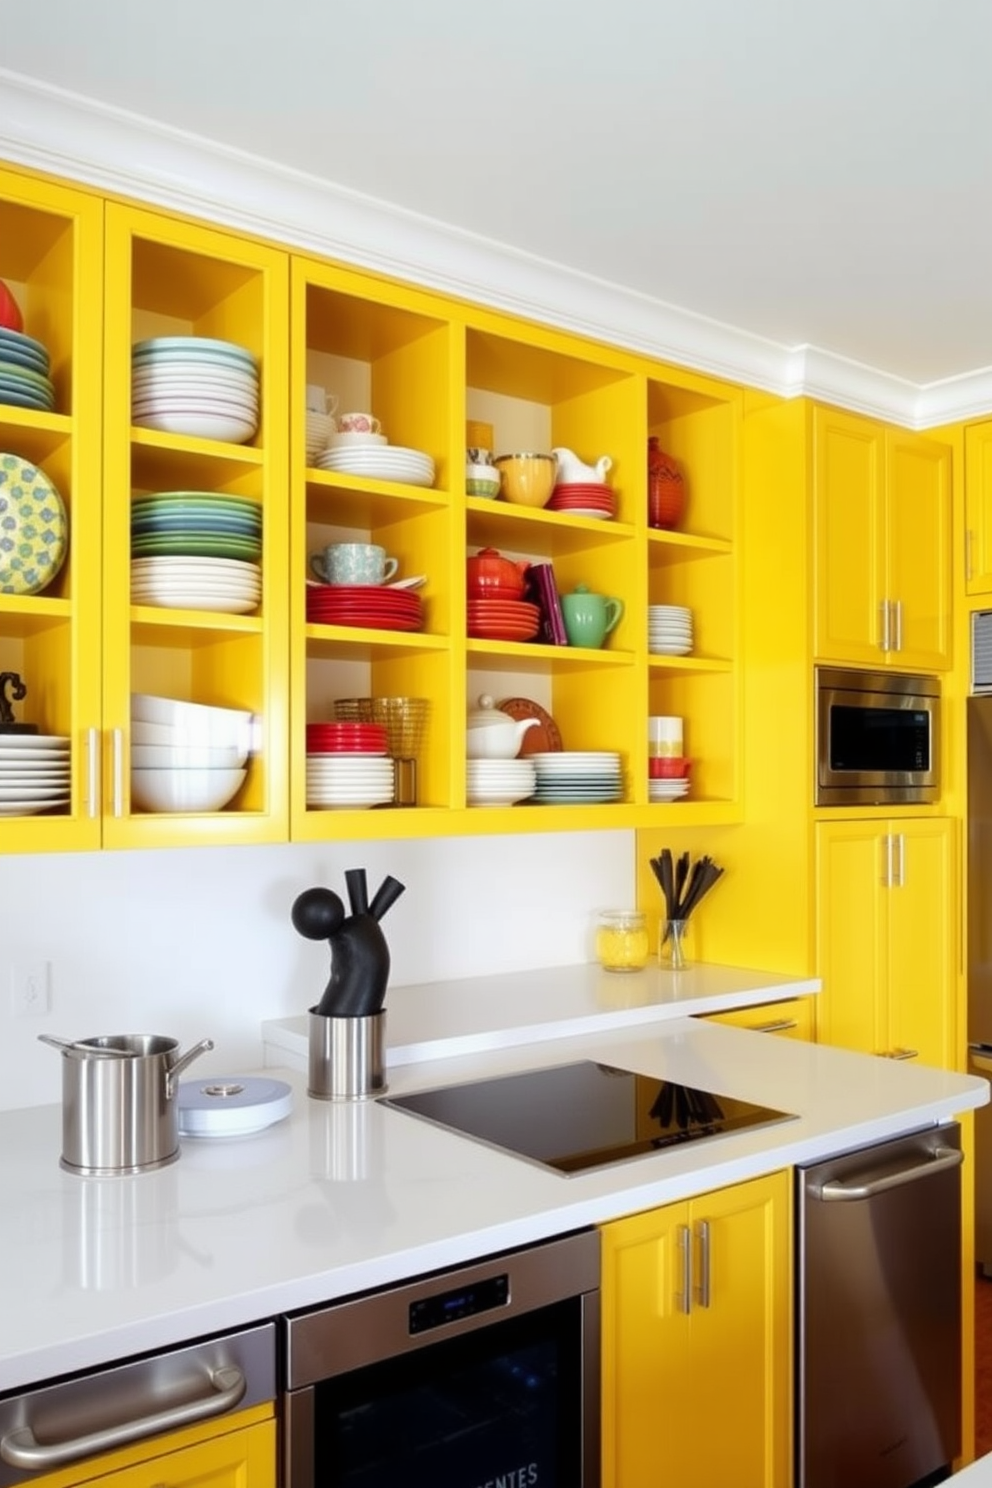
(437, 1019)
(344, 1196)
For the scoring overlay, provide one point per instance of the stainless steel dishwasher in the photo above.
(879, 1314)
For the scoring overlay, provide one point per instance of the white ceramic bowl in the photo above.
(184, 790)
(482, 480)
(186, 757)
(194, 723)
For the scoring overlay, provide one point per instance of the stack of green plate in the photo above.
(196, 523)
(24, 369)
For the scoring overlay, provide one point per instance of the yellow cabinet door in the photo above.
(920, 953)
(238, 1453)
(696, 1299)
(882, 501)
(885, 936)
(848, 465)
(794, 1018)
(978, 508)
(918, 550)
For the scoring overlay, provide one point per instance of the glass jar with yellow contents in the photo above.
(621, 939)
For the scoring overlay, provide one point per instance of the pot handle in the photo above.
(184, 1060)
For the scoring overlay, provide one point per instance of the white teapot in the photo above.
(492, 734)
(573, 471)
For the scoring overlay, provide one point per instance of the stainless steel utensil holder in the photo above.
(347, 1056)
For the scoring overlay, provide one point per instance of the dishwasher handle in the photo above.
(21, 1449)
(839, 1192)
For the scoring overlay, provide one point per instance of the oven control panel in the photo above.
(462, 1302)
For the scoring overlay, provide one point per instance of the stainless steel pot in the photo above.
(120, 1114)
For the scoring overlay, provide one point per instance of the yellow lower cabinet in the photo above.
(886, 936)
(240, 1453)
(697, 1341)
(794, 1018)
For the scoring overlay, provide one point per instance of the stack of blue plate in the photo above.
(24, 368)
(196, 523)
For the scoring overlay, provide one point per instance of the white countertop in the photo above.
(978, 1475)
(342, 1196)
(434, 1020)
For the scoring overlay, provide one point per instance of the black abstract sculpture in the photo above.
(359, 953)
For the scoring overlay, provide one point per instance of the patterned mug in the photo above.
(353, 563)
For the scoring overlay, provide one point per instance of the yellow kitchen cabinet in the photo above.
(238, 1453)
(882, 539)
(96, 276)
(886, 891)
(51, 257)
(978, 508)
(697, 1341)
(794, 1018)
(166, 277)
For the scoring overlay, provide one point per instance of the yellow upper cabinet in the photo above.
(882, 529)
(696, 1304)
(188, 288)
(978, 508)
(51, 257)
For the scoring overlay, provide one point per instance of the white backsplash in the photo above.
(197, 942)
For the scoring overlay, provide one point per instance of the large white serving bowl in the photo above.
(184, 790)
(192, 723)
(186, 757)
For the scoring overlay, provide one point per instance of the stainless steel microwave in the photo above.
(877, 738)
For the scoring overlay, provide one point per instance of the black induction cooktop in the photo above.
(574, 1117)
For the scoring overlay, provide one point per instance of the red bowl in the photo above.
(672, 767)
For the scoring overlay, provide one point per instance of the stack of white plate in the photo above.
(34, 773)
(668, 790)
(669, 630)
(349, 781)
(499, 782)
(389, 462)
(225, 585)
(195, 385)
(576, 777)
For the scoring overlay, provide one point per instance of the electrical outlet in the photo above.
(30, 995)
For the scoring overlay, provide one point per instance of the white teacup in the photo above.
(358, 423)
(353, 563)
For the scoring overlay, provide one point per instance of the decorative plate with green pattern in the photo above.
(34, 530)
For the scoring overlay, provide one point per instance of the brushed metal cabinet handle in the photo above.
(703, 1289)
(684, 1298)
(782, 1026)
(883, 625)
(92, 773)
(117, 746)
(897, 606)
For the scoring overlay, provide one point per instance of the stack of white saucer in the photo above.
(499, 782)
(669, 630)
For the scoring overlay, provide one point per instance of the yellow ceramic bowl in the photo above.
(528, 480)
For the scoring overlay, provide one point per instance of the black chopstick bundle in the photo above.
(683, 884)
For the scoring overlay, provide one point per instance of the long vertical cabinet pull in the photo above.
(897, 606)
(684, 1297)
(898, 878)
(92, 773)
(885, 877)
(883, 625)
(703, 1289)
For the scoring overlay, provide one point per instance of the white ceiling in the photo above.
(810, 175)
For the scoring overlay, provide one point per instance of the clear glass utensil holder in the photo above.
(672, 952)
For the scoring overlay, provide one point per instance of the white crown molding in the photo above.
(83, 140)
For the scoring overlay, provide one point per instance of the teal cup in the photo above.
(589, 617)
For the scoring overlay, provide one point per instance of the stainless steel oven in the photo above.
(485, 1374)
(877, 738)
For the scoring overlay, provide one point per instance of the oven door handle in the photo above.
(21, 1449)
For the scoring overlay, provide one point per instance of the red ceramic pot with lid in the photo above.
(491, 576)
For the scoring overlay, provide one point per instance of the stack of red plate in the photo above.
(503, 619)
(584, 499)
(368, 605)
(347, 738)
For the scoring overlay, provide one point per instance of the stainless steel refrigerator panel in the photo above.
(979, 954)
